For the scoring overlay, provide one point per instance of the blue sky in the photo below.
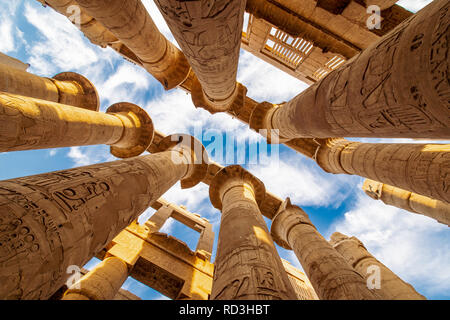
(414, 247)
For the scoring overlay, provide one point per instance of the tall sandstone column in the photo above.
(51, 221)
(420, 168)
(102, 283)
(396, 88)
(354, 252)
(67, 88)
(330, 275)
(209, 33)
(29, 124)
(247, 265)
(130, 22)
(408, 200)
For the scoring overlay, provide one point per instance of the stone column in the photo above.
(396, 88)
(420, 168)
(209, 33)
(159, 218)
(408, 200)
(67, 88)
(247, 265)
(354, 252)
(330, 275)
(51, 221)
(29, 124)
(102, 283)
(130, 22)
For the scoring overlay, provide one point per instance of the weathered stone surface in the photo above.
(354, 252)
(29, 124)
(408, 200)
(247, 265)
(164, 263)
(130, 22)
(330, 275)
(420, 168)
(209, 33)
(55, 220)
(101, 283)
(66, 88)
(396, 88)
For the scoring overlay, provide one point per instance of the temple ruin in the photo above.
(387, 82)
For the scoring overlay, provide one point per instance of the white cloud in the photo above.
(59, 46)
(6, 30)
(174, 112)
(84, 156)
(414, 247)
(305, 184)
(265, 82)
(414, 5)
(168, 226)
(128, 83)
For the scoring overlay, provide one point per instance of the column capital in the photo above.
(220, 180)
(285, 219)
(195, 153)
(261, 119)
(233, 103)
(338, 238)
(137, 141)
(373, 189)
(90, 101)
(328, 154)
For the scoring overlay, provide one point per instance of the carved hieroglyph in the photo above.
(408, 200)
(420, 168)
(101, 283)
(398, 87)
(209, 33)
(247, 265)
(130, 22)
(28, 124)
(67, 88)
(330, 275)
(51, 221)
(354, 252)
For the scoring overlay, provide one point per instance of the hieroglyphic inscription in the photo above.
(439, 56)
(72, 198)
(57, 219)
(209, 34)
(253, 274)
(380, 106)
